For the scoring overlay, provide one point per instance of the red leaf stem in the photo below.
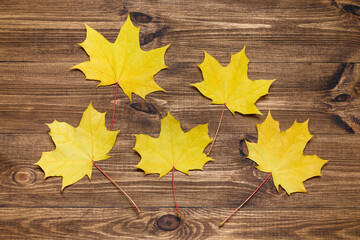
(217, 130)
(222, 223)
(122, 190)
(173, 184)
(113, 115)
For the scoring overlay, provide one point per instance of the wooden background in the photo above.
(310, 47)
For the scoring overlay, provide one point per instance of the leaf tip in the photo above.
(73, 67)
(161, 175)
(167, 46)
(168, 114)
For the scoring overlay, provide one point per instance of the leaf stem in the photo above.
(113, 115)
(122, 190)
(222, 223)
(217, 130)
(173, 184)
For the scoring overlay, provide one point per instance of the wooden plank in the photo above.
(323, 98)
(310, 47)
(224, 182)
(25, 116)
(115, 223)
(334, 49)
(274, 37)
(56, 77)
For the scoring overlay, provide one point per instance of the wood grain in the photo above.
(312, 50)
(197, 223)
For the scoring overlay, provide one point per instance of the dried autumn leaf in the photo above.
(230, 85)
(122, 62)
(281, 154)
(77, 148)
(174, 149)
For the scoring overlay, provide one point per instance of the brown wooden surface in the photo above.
(310, 47)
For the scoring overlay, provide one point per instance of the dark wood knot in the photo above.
(140, 17)
(352, 9)
(244, 151)
(168, 222)
(144, 107)
(348, 8)
(24, 176)
(147, 38)
(243, 148)
(341, 98)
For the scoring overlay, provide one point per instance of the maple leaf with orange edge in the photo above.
(281, 154)
(122, 62)
(230, 85)
(77, 148)
(174, 149)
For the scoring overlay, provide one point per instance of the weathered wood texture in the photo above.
(310, 47)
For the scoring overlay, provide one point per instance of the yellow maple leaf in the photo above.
(77, 148)
(281, 153)
(230, 85)
(122, 62)
(173, 148)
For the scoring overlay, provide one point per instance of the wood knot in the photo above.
(244, 151)
(341, 98)
(144, 107)
(140, 17)
(24, 176)
(168, 222)
(351, 9)
(243, 148)
(147, 38)
(347, 8)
